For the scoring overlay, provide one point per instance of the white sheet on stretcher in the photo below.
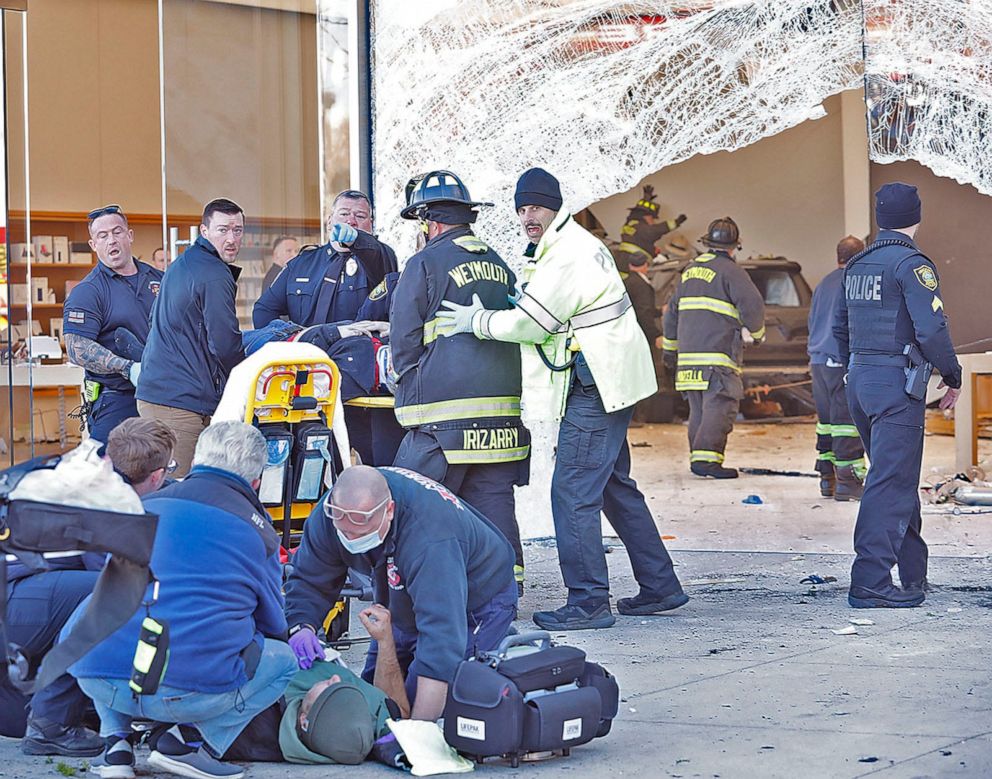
(241, 385)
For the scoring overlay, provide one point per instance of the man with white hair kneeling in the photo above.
(216, 559)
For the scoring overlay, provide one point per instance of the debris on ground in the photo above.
(814, 578)
(861, 621)
(775, 472)
(849, 630)
(752, 500)
(971, 487)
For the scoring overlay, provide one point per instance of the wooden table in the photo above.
(975, 402)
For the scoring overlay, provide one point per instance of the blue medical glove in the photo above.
(343, 234)
(134, 372)
(457, 318)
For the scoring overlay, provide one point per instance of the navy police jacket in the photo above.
(463, 390)
(442, 560)
(348, 279)
(891, 299)
(104, 301)
(195, 338)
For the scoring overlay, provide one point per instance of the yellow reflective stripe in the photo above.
(843, 431)
(757, 335)
(669, 344)
(689, 386)
(827, 457)
(633, 248)
(705, 456)
(687, 359)
(430, 331)
(518, 573)
(703, 303)
(462, 408)
(822, 429)
(476, 456)
(705, 257)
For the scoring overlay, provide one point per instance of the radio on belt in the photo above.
(530, 695)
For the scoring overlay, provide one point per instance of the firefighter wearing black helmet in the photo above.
(704, 344)
(642, 231)
(458, 397)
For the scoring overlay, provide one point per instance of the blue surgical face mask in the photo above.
(362, 544)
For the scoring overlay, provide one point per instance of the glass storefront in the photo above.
(159, 106)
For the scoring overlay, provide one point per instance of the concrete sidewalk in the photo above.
(748, 679)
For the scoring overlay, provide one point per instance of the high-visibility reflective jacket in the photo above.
(713, 298)
(573, 298)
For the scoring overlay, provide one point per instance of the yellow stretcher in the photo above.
(288, 394)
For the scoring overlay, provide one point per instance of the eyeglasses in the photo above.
(113, 208)
(338, 514)
(171, 467)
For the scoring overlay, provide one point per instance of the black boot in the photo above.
(890, 597)
(827, 484)
(849, 484)
(713, 470)
(51, 738)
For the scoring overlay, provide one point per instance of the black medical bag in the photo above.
(527, 696)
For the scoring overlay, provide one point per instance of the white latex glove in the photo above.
(746, 336)
(950, 398)
(371, 327)
(134, 372)
(457, 318)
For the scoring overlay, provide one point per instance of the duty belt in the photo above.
(892, 360)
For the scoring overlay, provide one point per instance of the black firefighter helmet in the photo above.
(646, 206)
(722, 234)
(438, 186)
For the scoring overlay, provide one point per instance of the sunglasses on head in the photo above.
(113, 208)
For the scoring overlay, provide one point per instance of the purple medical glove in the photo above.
(307, 648)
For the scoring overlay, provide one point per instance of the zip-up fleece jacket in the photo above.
(195, 338)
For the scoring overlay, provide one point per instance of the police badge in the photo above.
(926, 277)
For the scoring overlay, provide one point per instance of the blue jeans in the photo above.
(219, 717)
(592, 475)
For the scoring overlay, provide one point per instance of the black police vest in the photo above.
(878, 320)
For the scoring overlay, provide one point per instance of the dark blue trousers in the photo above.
(37, 610)
(592, 475)
(887, 532)
(374, 433)
(110, 409)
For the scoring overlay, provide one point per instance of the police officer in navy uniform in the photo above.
(840, 454)
(330, 283)
(118, 292)
(459, 397)
(891, 303)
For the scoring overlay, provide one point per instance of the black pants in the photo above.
(487, 488)
(838, 442)
(38, 608)
(712, 412)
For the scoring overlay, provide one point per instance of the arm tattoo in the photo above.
(95, 358)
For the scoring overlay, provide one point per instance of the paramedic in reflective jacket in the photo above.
(892, 301)
(574, 305)
(459, 397)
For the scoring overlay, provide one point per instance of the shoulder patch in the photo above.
(926, 277)
(471, 243)
(379, 292)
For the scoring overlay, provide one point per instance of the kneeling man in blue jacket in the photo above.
(216, 560)
(448, 569)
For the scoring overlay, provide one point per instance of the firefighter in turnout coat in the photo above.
(702, 340)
